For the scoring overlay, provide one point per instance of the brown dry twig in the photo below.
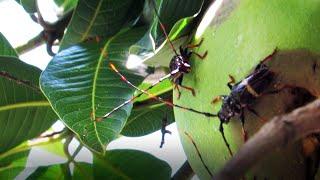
(51, 32)
(185, 172)
(278, 133)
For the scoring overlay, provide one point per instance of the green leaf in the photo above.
(171, 11)
(29, 5)
(130, 164)
(165, 54)
(236, 42)
(180, 23)
(5, 48)
(147, 115)
(24, 111)
(161, 88)
(67, 5)
(12, 165)
(60, 171)
(146, 120)
(82, 171)
(54, 148)
(54, 172)
(81, 87)
(99, 18)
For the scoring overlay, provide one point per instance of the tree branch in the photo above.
(278, 133)
(31, 44)
(185, 172)
(34, 143)
(51, 32)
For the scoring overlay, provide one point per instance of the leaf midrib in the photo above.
(109, 165)
(24, 105)
(103, 55)
(85, 34)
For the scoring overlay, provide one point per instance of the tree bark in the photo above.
(279, 132)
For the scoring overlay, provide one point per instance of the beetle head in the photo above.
(230, 108)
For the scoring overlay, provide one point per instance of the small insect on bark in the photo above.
(244, 93)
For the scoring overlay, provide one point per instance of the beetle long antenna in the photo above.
(162, 27)
(123, 78)
(198, 152)
(221, 129)
(138, 95)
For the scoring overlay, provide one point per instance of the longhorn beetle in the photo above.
(179, 65)
(242, 96)
(207, 114)
(244, 93)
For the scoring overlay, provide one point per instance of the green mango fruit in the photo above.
(239, 36)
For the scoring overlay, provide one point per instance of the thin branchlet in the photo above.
(164, 130)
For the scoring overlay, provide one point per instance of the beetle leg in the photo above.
(201, 56)
(269, 57)
(189, 89)
(179, 92)
(244, 132)
(190, 46)
(217, 99)
(278, 89)
(181, 50)
(231, 81)
(224, 138)
(253, 111)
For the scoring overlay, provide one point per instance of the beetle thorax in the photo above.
(181, 63)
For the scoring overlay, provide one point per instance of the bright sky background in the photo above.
(18, 29)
